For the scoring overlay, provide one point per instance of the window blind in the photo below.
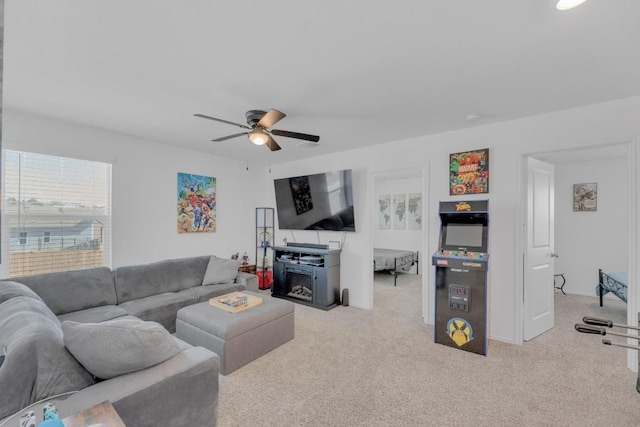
(58, 211)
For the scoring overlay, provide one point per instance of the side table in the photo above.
(248, 268)
(564, 281)
(100, 413)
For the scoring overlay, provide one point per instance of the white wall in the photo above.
(144, 173)
(611, 122)
(144, 189)
(391, 238)
(587, 241)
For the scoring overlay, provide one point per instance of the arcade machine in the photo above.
(461, 264)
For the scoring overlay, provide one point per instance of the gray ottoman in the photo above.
(238, 338)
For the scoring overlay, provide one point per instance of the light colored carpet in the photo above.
(380, 367)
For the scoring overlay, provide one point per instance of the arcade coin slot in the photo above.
(459, 297)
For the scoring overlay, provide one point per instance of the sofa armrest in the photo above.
(181, 391)
(249, 280)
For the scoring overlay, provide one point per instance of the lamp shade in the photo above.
(568, 4)
(258, 137)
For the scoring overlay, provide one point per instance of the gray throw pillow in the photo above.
(118, 346)
(220, 271)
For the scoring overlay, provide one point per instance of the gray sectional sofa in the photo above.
(40, 361)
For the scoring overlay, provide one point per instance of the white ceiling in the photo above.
(357, 73)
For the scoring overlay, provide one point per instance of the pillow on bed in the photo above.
(118, 346)
(221, 271)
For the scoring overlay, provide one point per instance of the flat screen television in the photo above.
(322, 201)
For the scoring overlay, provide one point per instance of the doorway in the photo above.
(393, 189)
(584, 238)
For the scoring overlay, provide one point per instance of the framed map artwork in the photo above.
(414, 211)
(399, 211)
(384, 211)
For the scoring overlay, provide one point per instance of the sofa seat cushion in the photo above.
(203, 293)
(161, 308)
(140, 281)
(10, 289)
(95, 314)
(120, 346)
(37, 365)
(69, 291)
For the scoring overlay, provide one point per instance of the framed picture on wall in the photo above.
(384, 211)
(469, 172)
(585, 197)
(414, 211)
(196, 203)
(399, 211)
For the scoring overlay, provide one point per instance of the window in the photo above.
(64, 204)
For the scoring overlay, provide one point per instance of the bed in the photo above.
(394, 260)
(616, 283)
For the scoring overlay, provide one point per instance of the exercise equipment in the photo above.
(594, 325)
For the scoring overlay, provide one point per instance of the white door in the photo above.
(538, 256)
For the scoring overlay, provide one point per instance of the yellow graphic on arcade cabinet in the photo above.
(459, 330)
(463, 206)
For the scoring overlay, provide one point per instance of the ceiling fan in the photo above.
(258, 130)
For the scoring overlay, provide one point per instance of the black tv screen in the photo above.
(322, 201)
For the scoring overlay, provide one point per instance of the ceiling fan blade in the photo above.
(271, 118)
(272, 144)
(296, 135)
(224, 138)
(222, 121)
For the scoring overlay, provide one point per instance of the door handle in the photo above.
(554, 255)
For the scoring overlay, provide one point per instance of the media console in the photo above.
(308, 274)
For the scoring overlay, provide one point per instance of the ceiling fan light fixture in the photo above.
(258, 137)
(568, 4)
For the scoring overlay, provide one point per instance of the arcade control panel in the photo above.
(463, 254)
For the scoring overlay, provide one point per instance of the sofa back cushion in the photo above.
(140, 281)
(37, 365)
(10, 289)
(69, 291)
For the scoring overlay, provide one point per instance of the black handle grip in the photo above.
(598, 322)
(586, 329)
(606, 342)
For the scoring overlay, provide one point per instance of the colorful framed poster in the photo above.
(469, 172)
(196, 203)
(585, 197)
(414, 211)
(399, 211)
(384, 211)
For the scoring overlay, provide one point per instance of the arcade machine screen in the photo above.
(463, 236)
